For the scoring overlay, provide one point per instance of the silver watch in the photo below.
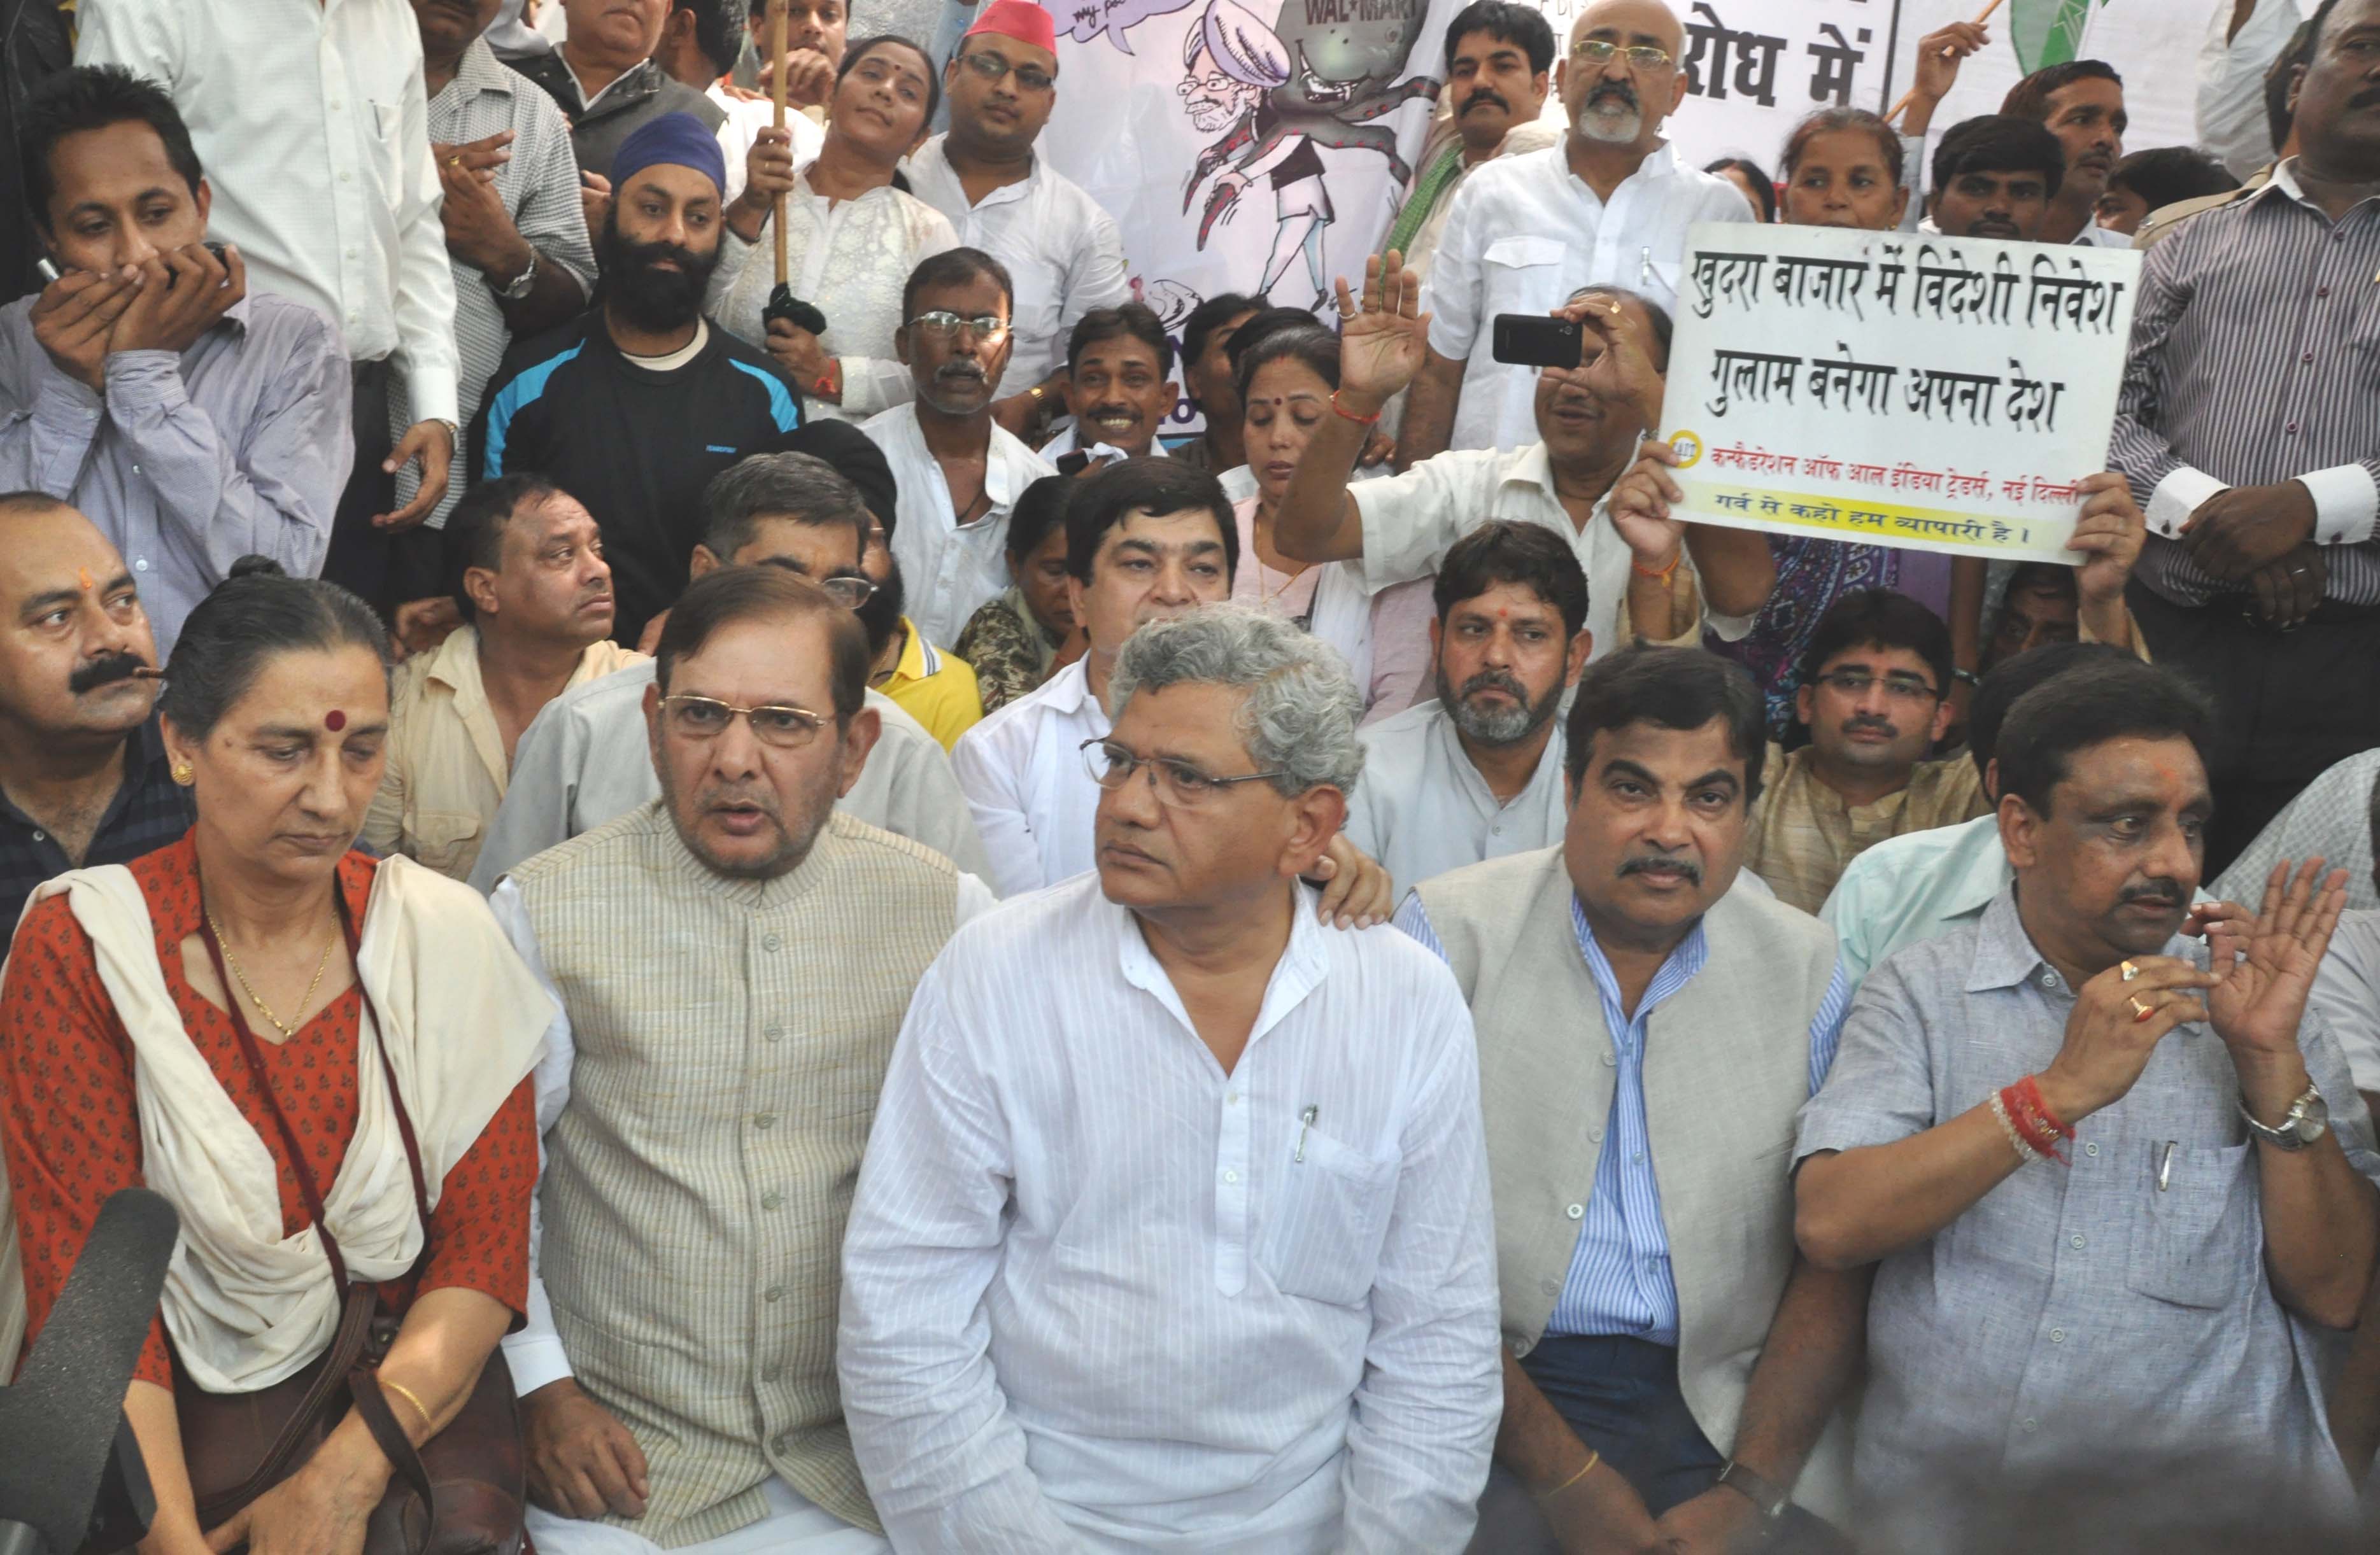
(520, 285)
(2307, 1120)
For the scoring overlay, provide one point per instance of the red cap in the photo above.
(1020, 19)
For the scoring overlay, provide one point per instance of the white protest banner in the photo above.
(1932, 393)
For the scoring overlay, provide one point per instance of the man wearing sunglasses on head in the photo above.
(1061, 249)
(959, 471)
(748, 939)
(1610, 206)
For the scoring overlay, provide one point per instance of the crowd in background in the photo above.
(622, 744)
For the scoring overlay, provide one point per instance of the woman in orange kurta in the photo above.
(274, 712)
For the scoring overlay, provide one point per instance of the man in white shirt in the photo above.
(1119, 385)
(1612, 204)
(959, 471)
(1646, 577)
(1062, 251)
(1148, 539)
(580, 764)
(1188, 1250)
(760, 948)
(1477, 773)
(352, 231)
(2080, 102)
(2244, 38)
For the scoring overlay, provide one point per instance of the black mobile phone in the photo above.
(1536, 340)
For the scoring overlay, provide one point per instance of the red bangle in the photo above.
(2039, 1127)
(1665, 575)
(1351, 415)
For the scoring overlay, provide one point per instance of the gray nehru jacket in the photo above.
(585, 759)
(2074, 1315)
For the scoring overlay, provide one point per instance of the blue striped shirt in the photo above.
(1620, 1280)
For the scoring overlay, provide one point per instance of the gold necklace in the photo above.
(223, 943)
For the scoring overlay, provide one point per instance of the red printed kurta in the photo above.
(71, 1134)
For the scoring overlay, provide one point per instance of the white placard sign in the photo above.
(1896, 389)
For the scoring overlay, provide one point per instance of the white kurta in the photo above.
(1100, 1295)
(1030, 796)
(951, 569)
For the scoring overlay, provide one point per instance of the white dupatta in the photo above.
(465, 1020)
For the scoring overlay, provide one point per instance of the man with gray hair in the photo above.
(1191, 1250)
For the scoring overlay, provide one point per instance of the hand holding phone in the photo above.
(1536, 340)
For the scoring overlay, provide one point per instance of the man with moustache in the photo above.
(1476, 774)
(525, 571)
(1873, 696)
(677, 1375)
(2081, 103)
(84, 777)
(1995, 176)
(1062, 251)
(1648, 1030)
(1610, 206)
(2107, 1179)
(609, 83)
(1120, 384)
(1647, 576)
(957, 468)
(1498, 57)
(637, 404)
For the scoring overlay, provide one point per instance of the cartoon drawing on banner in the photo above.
(1274, 94)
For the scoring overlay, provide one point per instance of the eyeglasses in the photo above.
(942, 323)
(706, 717)
(1642, 56)
(1902, 688)
(1176, 783)
(991, 68)
(847, 590)
(1216, 85)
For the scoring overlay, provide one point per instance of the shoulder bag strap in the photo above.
(396, 1096)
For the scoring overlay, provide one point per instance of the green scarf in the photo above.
(1434, 179)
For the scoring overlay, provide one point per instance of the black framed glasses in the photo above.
(1176, 782)
(942, 323)
(1900, 688)
(1598, 51)
(706, 717)
(993, 67)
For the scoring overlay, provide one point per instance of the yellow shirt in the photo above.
(934, 686)
(1803, 833)
(446, 770)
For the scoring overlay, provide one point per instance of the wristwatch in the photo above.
(2307, 1120)
(1771, 1499)
(520, 285)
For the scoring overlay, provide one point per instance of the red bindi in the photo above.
(334, 720)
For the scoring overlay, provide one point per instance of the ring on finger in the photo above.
(2140, 1011)
(2131, 971)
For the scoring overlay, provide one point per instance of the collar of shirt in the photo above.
(919, 658)
(1684, 962)
(1458, 760)
(455, 666)
(1663, 162)
(639, 81)
(2006, 956)
(146, 755)
(1069, 691)
(1009, 466)
(933, 163)
(1297, 974)
(2285, 180)
(478, 72)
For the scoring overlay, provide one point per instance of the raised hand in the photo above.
(76, 314)
(2265, 966)
(2109, 533)
(1639, 505)
(1383, 340)
(1616, 355)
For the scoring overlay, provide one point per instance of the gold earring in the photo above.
(183, 772)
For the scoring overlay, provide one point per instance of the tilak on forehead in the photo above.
(334, 720)
(83, 576)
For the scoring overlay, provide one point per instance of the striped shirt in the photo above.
(1100, 1295)
(1620, 1281)
(540, 189)
(2255, 359)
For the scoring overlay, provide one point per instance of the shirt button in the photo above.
(347, 177)
(777, 1444)
(2050, 979)
(1552, 1287)
(2291, 428)
(772, 1201)
(2057, 1336)
(2307, 357)
(41, 836)
(1230, 1177)
(771, 943)
(1638, 1158)
(142, 565)
(2090, 1150)
(770, 1373)
(2030, 1424)
(766, 1120)
(136, 469)
(1231, 1098)
(774, 1293)
(1595, 1135)
(775, 1033)
(2075, 1242)
(1575, 1210)
(2322, 291)
(1610, 1062)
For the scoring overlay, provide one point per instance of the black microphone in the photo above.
(63, 1435)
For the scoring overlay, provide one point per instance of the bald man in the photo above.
(83, 776)
(1610, 206)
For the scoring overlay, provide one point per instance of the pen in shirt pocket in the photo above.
(1305, 1121)
(1645, 267)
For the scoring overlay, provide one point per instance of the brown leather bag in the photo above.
(461, 1493)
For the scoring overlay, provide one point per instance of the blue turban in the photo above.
(677, 138)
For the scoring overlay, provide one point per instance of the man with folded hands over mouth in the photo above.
(84, 775)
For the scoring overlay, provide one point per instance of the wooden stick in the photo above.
(777, 97)
(1911, 93)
